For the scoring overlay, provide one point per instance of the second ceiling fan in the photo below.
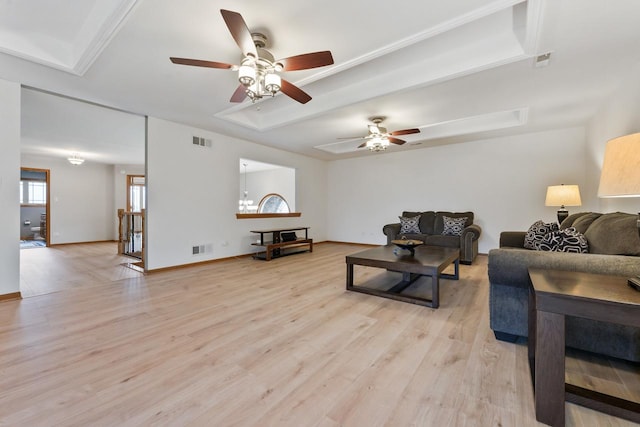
(379, 138)
(258, 70)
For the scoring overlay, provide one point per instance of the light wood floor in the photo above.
(281, 343)
(63, 267)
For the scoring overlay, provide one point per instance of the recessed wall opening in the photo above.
(266, 188)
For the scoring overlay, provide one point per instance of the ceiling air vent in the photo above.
(542, 60)
(203, 142)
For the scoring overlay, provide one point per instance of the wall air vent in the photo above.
(202, 142)
(201, 249)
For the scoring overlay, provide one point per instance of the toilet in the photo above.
(36, 233)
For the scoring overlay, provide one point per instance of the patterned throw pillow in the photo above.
(409, 224)
(536, 232)
(453, 226)
(567, 240)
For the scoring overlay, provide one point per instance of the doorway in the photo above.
(35, 215)
(131, 220)
(136, 193)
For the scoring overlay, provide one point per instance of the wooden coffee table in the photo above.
(428, 261)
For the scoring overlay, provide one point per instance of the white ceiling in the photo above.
(460, 71)
(57, 126)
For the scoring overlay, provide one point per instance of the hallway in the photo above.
(63, 267)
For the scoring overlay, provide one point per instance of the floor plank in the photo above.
(100, 344)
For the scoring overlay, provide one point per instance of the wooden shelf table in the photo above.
(275, 247)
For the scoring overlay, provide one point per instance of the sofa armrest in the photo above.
(512, 239)
(474, 230)
(469, 243)
(391, 231)
(510, 266)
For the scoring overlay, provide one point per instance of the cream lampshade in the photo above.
(620, 175)
(563, 195)
(621, 168)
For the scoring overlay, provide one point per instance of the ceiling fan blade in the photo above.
(396, 140)
(354, 137)
(239, 95)
(405, 132)
(364, 144)
(294, 92)
(240, 32)
(200, 63)
(306, 61)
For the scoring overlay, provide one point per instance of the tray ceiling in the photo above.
(460, 71)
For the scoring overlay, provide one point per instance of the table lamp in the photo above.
(563, 195)
(620, 175)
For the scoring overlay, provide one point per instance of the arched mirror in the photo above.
(273, 203)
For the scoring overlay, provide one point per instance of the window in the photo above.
(33, 192)
(273, 203)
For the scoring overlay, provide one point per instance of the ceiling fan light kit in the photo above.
(377, 144)
(379, 138)
(258, 70)
(258, 74)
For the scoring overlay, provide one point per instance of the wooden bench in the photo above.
(275, 248)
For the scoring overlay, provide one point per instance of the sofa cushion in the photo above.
(409, 214)
(567, 240)
(439, 221)
(440, 240)
(583, 222)
(409, 224)
(568, 221)
(453, 226)
(614, 234)
(427, 222)
(427, 219)
(536, 232)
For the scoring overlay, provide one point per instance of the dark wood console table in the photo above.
(275, 247)
(553, 295)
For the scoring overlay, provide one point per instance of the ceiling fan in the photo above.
(258, 69)
(379, 138)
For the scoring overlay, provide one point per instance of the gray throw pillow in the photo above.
(453, 226)
(536, 232)
(409, 224)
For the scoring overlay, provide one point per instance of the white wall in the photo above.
(502, 180)
(9, 179)
(619, 116)
(192, 195)
(81, 206)
(281, 181)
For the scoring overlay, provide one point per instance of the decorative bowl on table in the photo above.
(408, 244)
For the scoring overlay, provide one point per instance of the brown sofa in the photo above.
(431, 226)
